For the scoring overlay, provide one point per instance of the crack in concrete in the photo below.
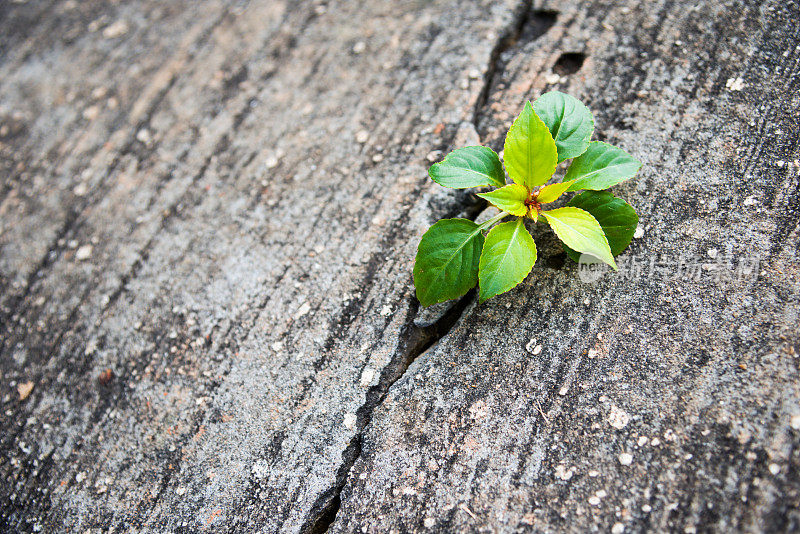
(415, 340)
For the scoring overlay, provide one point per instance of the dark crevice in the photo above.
(415, 341)
(569, 63)
(528, 24)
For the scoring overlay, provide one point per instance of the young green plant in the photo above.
(454, 254)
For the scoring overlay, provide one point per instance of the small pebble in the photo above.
(271, 162)
(377, 158)
(593, 473)
(91, 113)
(83, 253)
(366, 376)
(774, 469)
(24, 390)
(537, 349)
(302, 310)
(795, 422)
(735, 84)
(618, 418)
(642, 441)
(594, 500)
(563, 472)
(712, 253)
(359, 47)
(626, 458)
(386, 311)
(474, 74)
(429, 522)
(618, 528)
(143, 136)
(362, 136)
(349, 421)
(116, 29)
(181, 490)
(563, 391)
(638, 233)
(434, 155)
(646, 508)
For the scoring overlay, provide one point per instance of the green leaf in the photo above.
(580, 231)
(471, 166)
(600, 167)
(508, 256)
(447, 260)
(616, 217)
(550, 193)
(570, 122)
(510, 198)
(529, 151)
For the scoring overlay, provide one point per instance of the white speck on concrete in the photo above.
(429, 522)
(638, 233)
(618, 528)
(302, 310)
(643, 440)
(646, 508)
(563, 472)
(83, 253)
(593, 473)
(181, 490)
(774, 469)
(386, 311)
(116, 29)
(563, 391)
(712, 253)
(750, 201)
(626, 458)
(618, 418)
(366, 376)
(735, 84)
(795, 422)
(349, 421)
(537, 349)
(91, 113)
(594, 500)
(359, 47)
(362, 136)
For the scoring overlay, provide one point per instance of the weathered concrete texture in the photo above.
(661, 402)
(220, 203)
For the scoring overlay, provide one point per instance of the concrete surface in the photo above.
(209, 216)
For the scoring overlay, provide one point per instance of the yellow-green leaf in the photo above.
(581, 232)
(510, 199)
(550, 193)
(508, 256)
(530, 152)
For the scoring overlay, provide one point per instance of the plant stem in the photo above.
(497, 218)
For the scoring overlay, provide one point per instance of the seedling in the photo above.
(454, 255)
